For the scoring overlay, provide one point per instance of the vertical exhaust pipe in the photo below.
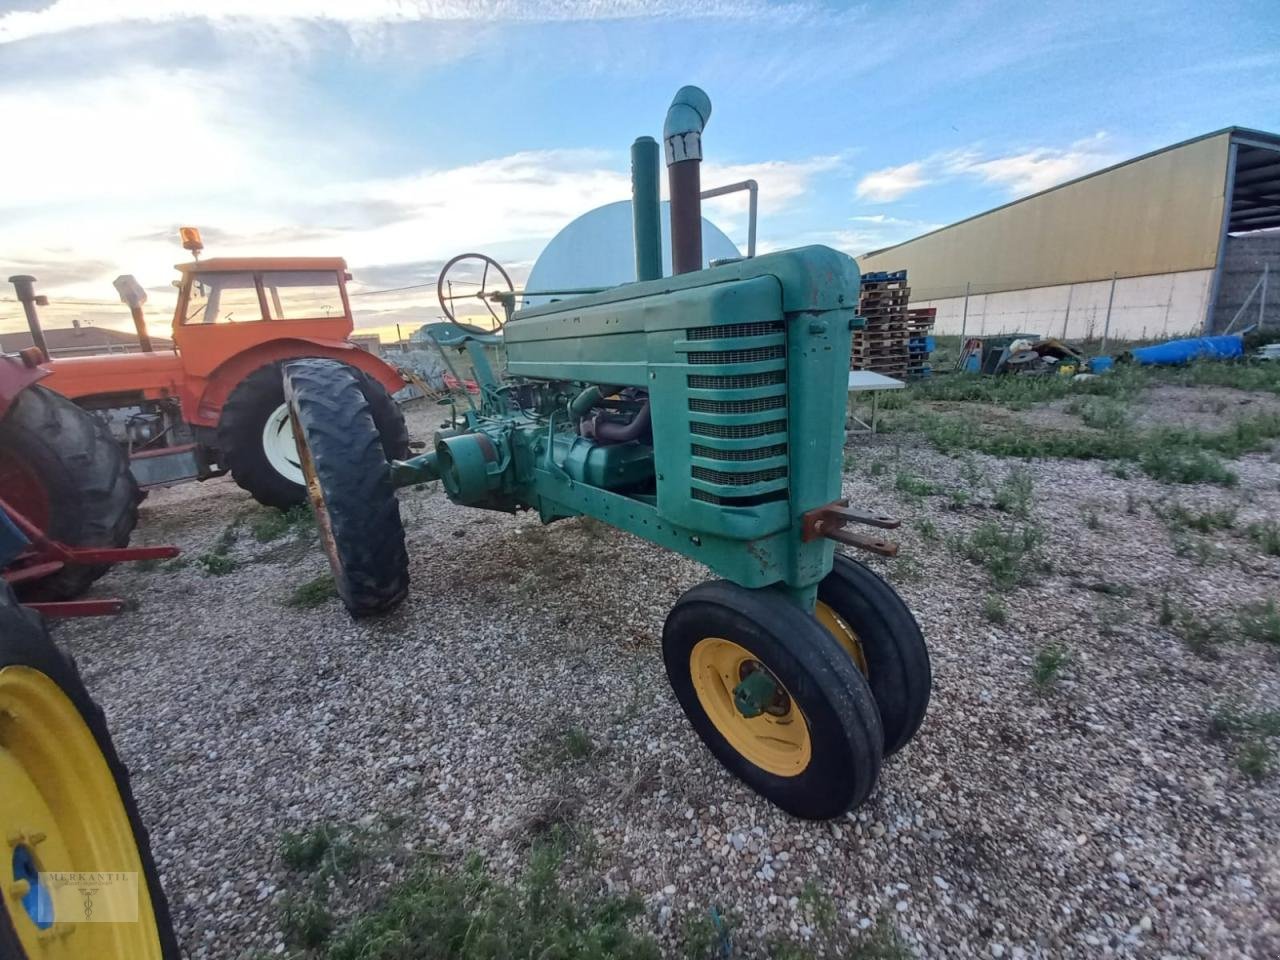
(133, 296)
(25, 288)
(646, 208)
(682, 135)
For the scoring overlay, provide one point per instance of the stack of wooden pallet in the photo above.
(881, 346)
(920, 343)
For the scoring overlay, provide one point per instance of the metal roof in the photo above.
(1255, 194)
(251, 264)
(1257, 183)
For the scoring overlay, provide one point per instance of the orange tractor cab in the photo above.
(215, 401)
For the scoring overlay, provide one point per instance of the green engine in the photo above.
(704, 412)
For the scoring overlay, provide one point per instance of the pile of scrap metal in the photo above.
(1026, 354)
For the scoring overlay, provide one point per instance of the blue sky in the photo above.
(396, 132)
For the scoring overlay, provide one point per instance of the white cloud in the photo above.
(1036, 169)
(65, 15)
(892, 183)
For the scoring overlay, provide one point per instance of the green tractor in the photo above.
(704, 412)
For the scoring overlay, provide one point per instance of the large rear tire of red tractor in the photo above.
(255, 435)
(66, 807)
(349, 484)
(61, 468)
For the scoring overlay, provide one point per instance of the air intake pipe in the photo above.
(682, 136)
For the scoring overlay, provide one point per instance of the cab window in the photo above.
(223, 298)
(303, 294)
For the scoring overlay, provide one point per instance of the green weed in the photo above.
(464, 914)
(1249, 730)
(1266, 535)
(1010, 555)
(306, 922)
(313, 593)
(1104, 413)
(994, 609)
(1175, 465)
(1048, 665)
(1261, 622)
(1014, 492)
(1179, 517)
(927, 529)
(1256, 759)
(324, 847)
(216, 564)
(908, 483)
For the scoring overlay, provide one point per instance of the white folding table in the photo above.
(864, 381)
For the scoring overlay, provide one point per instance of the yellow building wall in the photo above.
(1158, 215)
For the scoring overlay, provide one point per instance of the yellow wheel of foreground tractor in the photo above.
(77, 880)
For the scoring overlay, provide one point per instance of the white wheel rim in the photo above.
(280, 447)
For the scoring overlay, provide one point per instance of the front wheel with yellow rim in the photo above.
(66, 809)
(774, 697)
(882, 638)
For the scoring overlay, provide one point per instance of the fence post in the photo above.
(1262, 301)
(1106, 324)
(964, 317)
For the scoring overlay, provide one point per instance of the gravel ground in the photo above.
(1095, 818)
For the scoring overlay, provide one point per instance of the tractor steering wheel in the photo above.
(457, 282)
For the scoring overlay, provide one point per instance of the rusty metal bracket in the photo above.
(829, 521)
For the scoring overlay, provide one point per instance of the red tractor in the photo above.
(212, 403)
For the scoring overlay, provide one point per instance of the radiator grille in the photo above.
(757, 405)
(750, 355)
(758, 417)
(739, 431)
(731, 501)
(734, 330)
(755, 453)
(743, 381)
(729, 479)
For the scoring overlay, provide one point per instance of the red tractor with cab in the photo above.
(211, 404)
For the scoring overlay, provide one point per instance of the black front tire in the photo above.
(92, 496)
(892, 645)
(25, 645)
(349, 485)
(818, 677)
(244, 418)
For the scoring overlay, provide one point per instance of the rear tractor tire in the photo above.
(876, 628)
(348, 481)
(66, 806)
(775, 698)
(61, 468)
(256, 442)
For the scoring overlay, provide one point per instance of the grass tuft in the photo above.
(313, 593)
(1266, 535)
(1011, 556)
(1048, 665)
(463, 913)
(1014, 492)
(994, 610)
(913, 486)
(1261, 622)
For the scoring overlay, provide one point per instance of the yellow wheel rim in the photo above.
(60, 812)
(776, 740)
(838, 628)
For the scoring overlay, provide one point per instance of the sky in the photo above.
(396, 133)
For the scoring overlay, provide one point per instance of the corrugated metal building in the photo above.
(1165, 244)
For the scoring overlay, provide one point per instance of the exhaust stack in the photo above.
(646, 208)
(682, 135)
(25, 288)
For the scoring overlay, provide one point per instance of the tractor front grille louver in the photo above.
(744, 431)
(734, 330)
(738, 419)
(750, 355)
(755, 405)
(743, 381)
(755, 453)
